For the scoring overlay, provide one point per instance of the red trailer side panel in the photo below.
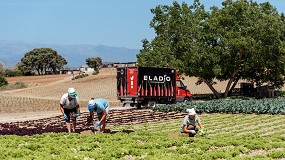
(132, 79)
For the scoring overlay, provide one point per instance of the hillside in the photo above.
(44, 92)
(11, 52)
(102, 85)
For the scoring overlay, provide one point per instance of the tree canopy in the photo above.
(241, 40)
(94, 62)
(42, 60)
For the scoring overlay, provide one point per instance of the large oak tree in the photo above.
(42, 60)
(241, 40)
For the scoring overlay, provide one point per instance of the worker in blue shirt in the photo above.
(102, 108)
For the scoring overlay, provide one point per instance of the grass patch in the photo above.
(17, 85)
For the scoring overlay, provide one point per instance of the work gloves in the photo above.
(98, 123)
(65, 116)
(72, 116)
(193, 132)
(78, 113)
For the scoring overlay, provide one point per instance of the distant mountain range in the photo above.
(11, 52)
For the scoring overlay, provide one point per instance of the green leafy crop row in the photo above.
(229, 136)
(262, 106)
(155, 140)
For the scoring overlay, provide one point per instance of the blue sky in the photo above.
(117, 23)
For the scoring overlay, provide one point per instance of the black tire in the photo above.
(151, 104)
(186, 100)
(139, 105)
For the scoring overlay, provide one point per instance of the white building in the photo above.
(86, 69)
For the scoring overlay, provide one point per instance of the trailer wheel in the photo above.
(186, 100)
(139, 105)
(151, 104)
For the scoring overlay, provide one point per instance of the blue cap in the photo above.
(91, 108)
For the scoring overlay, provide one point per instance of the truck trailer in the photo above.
(148, 86)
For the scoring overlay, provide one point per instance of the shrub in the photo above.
(11, 73)
(3, 81)
(19, 85)
(80, 76)
(96, 71)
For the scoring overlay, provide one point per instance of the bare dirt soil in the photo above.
(43, 94)
(38, 80)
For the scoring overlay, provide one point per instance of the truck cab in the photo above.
(182, 93)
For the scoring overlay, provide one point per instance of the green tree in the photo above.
(42, 60)
(250, 45)
(12, 73)
(94, 62)
(25, 69)
(242, 40)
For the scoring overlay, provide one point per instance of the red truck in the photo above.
(149, 86)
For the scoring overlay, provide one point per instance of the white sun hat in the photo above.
(71, 92)
(91, 103)
(191, 111)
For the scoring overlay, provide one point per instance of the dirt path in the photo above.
(19, 117)
(15, 117)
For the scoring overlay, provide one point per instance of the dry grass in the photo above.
(38, 80)
(102, 85)
(14, 104)
(46, 94)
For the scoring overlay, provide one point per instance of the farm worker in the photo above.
(102, 108)
(189, 123)
(69, 105)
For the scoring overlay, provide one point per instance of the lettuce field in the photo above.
(144, 134)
